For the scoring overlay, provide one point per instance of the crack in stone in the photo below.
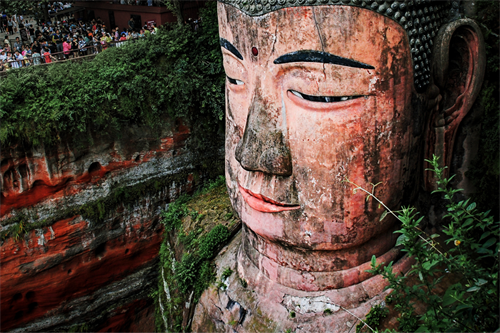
(274, 42)
(320, 39)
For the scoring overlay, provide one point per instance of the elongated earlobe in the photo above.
(458, 70)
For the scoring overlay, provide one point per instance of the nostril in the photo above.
(263, 146)
(238, 153)
(264, 151)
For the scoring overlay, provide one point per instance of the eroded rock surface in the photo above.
(248, 301)
(81, 231)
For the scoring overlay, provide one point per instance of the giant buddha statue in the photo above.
(320, 95)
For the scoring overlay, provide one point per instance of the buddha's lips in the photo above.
(264, 204)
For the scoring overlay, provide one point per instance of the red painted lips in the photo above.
(264, 204)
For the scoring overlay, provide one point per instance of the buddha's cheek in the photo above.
(327, 150)
(332, 151)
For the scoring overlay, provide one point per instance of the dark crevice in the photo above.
(30, 294)
(94, 167)
(100, 250)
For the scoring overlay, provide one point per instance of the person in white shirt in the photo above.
(18, 64)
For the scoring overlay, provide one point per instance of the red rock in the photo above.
(60, 276)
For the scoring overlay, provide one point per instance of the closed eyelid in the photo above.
(323, 99)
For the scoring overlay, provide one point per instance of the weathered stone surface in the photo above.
(326, 130)
(254, 303)
(91, 270)
(312, 230)
(65, 175)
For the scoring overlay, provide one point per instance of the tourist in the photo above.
(17, 44)
(10, 27)
(47, 56)
(36, 58)
(53, 49)
(74, 46)
(131, 24)
(31, 31)
(82, 46)
(25, 51)
(18, 57)
(57, 39)
(95, 41)
(66, 48)
(35, 47)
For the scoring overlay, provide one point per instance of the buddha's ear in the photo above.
(458, 70)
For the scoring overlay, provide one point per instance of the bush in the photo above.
(470, 304)
(176, 73)
(212, 241)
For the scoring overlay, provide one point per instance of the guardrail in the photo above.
(85, 53)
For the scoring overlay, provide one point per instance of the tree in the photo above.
(176, 7)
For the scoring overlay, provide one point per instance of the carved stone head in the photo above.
(322, 95)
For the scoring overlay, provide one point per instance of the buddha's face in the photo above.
(317, 96)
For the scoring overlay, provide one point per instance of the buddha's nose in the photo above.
(263, 146)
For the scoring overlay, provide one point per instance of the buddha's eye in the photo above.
(234, 81)
(323, 99)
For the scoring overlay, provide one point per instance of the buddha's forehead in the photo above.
(349, 32)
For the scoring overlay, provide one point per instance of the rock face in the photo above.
(248, 301)
(81, 231)
(331, 110)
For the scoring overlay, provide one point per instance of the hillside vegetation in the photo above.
(177, 73)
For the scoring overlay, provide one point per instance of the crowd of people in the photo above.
(61, 40)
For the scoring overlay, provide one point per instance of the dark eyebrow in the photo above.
(321, 57)
(230, 47)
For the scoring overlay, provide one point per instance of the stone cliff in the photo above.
(80, 227)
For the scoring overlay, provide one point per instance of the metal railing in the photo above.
(85, 53)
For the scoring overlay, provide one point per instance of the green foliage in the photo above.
(174, 73)
(186, 271)
(212, 241)
(226, 273)
(79, 328)
(206, 277)
(471, 304)
(374, 317)
(243, 282)
(211, 184)
(485, 169)
(172, 217)
(25, 7)
(194, 272)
